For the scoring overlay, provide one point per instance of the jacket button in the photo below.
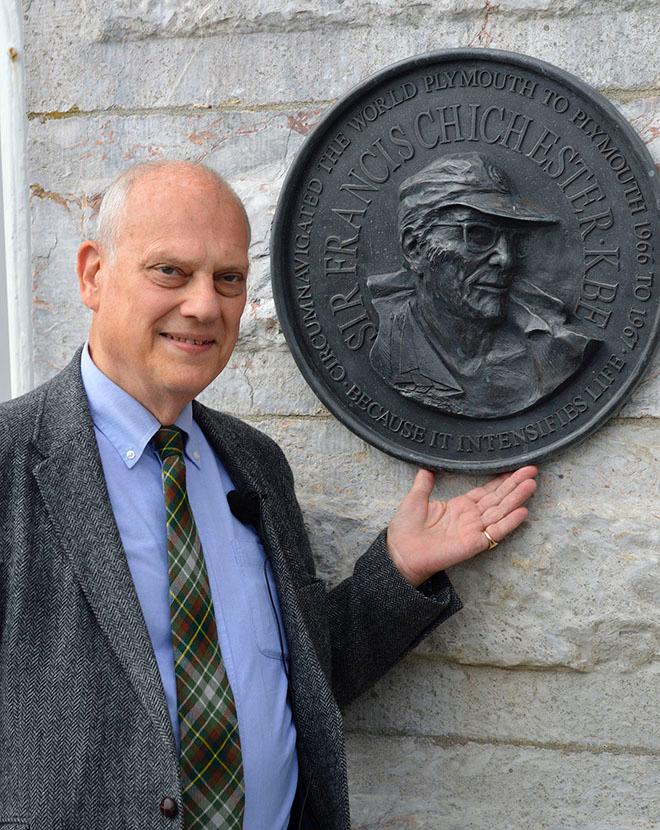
(168, 807)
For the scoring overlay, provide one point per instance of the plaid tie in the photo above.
(211, 763)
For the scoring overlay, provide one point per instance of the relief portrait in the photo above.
(462, 326)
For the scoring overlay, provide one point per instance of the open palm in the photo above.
(426, 536)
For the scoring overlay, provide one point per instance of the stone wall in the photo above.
(537, 705)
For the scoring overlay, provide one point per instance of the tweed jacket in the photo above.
(86, 741)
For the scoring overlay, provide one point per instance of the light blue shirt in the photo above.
(237, 569)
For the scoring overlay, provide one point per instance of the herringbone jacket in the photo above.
(85, 737)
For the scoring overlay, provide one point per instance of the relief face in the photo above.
(462, 327)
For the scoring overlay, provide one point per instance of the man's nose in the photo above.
(201, 300)
(501, 254)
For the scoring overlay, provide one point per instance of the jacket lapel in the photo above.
(317, 717)
(72, 485)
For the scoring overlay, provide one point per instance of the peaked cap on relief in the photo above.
(465, 180)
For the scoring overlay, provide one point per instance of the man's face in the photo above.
(167, 306)
(466, 267)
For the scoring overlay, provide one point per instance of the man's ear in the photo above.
(89, 269)
(412, 250)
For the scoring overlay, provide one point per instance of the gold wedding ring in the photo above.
(491, 542)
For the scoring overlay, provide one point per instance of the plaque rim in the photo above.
(344, 414)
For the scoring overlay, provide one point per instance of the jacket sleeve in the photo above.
(374, 617)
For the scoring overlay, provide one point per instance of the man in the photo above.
(459, 329)
(159, 670)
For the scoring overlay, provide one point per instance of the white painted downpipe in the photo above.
(16, 371)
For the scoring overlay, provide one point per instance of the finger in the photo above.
(506, 486)
(479, 492)
(510, 502)
(416, 501)
(492, 485)
(423, 484)
(500, 530)
(494, 498)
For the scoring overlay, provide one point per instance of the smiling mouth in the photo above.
(191, 340)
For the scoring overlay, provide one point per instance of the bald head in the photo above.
(115, 200)
(166, 281)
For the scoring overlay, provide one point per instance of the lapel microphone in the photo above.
(245, 506)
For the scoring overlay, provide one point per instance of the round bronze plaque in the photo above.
(464, 260)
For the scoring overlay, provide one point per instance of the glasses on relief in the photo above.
(479, 237)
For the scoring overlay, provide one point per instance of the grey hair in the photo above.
(114, 199)
(418, 225)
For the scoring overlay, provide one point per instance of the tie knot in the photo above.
(168, 441)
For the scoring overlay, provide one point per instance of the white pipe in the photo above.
(16, 207)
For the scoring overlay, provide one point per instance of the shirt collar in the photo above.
(191, 434)
(123, 420)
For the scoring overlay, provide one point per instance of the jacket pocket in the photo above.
(10, 823)
(262, 597)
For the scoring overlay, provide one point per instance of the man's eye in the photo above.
(481, 237)
(234, 279)
(168, 270)
(521, 245)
